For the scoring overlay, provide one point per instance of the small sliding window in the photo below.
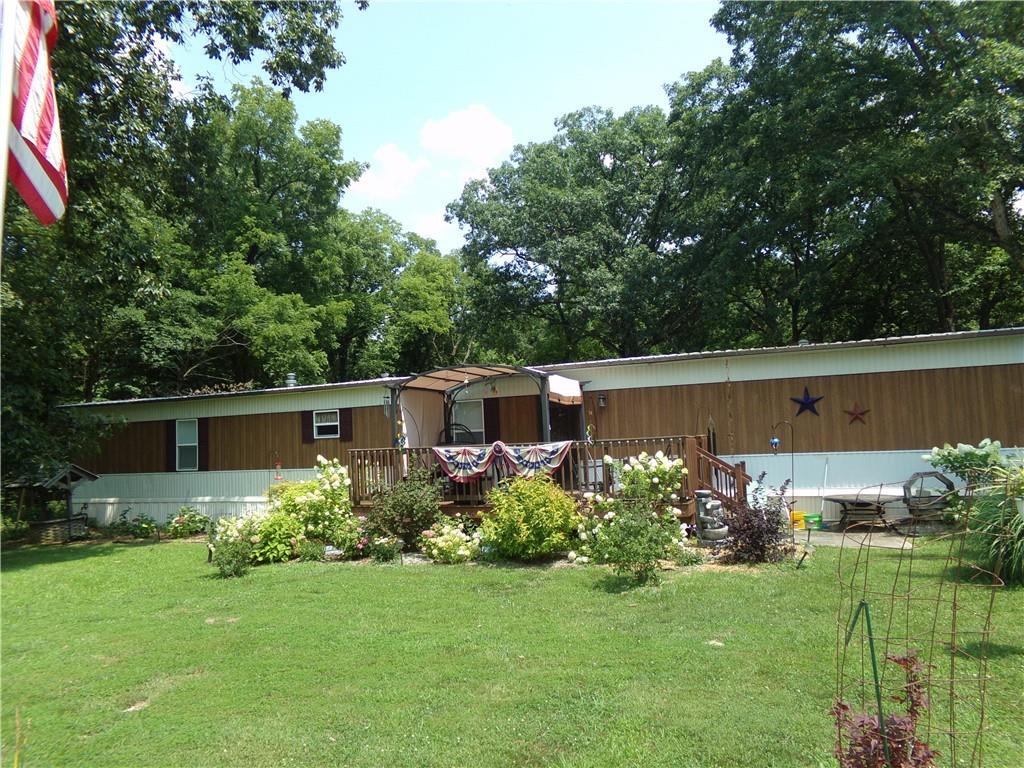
(186, 434)
(326, 424)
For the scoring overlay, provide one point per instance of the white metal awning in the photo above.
(564, 391)
(560, 388)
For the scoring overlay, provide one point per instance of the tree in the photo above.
(88, 303)
(573, 231)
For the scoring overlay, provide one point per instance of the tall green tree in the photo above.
(78, 294)
(574, 232)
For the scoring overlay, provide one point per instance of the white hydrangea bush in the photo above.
(448, 541)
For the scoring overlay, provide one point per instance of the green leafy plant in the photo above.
(449, 541)
(633, 537)
(970, 463)
(311, 551)
(188, 522)
(996, 524)
(529, 518)
(140, 526)
(276, 539)
(232, 558)
(11, 529)
(56, 509)
(407, 508)
(384, 549)
(685, 555)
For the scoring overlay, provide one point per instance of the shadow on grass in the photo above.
(614, 584)
(29, 556)
(976, 649)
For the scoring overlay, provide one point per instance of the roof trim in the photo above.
(385, 381)
(816, 347)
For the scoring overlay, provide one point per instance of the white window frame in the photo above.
(336, 424)
(483, 424)
(178, 445)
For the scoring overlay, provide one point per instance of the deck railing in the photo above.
(583, 469)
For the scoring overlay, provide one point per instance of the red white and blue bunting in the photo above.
(464, 464)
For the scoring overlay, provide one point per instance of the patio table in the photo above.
(865, 506)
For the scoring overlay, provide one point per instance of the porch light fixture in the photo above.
(602, 400)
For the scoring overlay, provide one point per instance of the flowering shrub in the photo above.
(633, 538)
(271, 537)
(529, 518)
(384, 549)
(407, 508)
(864, 746)
(188, 522)
(656, 478)
(322, 506)
(969, 463)
(639, 526)
(448, 541)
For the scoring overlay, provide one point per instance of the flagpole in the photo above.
(6, 98)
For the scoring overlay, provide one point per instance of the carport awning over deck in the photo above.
(560, 389)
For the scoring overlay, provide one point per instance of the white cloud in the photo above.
(414, 184)
(473, 137)
(434, 226)
(390, 174)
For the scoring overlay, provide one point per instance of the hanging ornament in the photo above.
(807, 403)
(857, 413)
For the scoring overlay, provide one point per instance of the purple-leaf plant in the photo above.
(863, 747)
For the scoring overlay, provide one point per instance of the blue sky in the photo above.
(436, 92)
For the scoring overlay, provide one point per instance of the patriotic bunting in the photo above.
(464, 464)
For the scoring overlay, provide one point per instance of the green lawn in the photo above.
(135, 655)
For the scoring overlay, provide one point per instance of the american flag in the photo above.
(36, 161)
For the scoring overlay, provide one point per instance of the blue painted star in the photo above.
(807, 403)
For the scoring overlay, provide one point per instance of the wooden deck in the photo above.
(583, 470)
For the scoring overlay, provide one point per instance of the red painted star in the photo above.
(857, 414)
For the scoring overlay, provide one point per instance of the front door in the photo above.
(566, 421)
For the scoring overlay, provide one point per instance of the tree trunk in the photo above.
(1004, 234)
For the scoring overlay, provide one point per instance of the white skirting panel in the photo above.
(161, 494)
(817, 475)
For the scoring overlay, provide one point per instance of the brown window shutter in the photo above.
(307, 426)
(492, 420)
(171, 462)
(204, 445)
(345, 425)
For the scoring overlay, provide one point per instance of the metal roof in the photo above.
(813, 347)
(542, 371)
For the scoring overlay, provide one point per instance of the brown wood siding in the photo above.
(239, 442)
(141, 446)
(908, 410)
(520, 419)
